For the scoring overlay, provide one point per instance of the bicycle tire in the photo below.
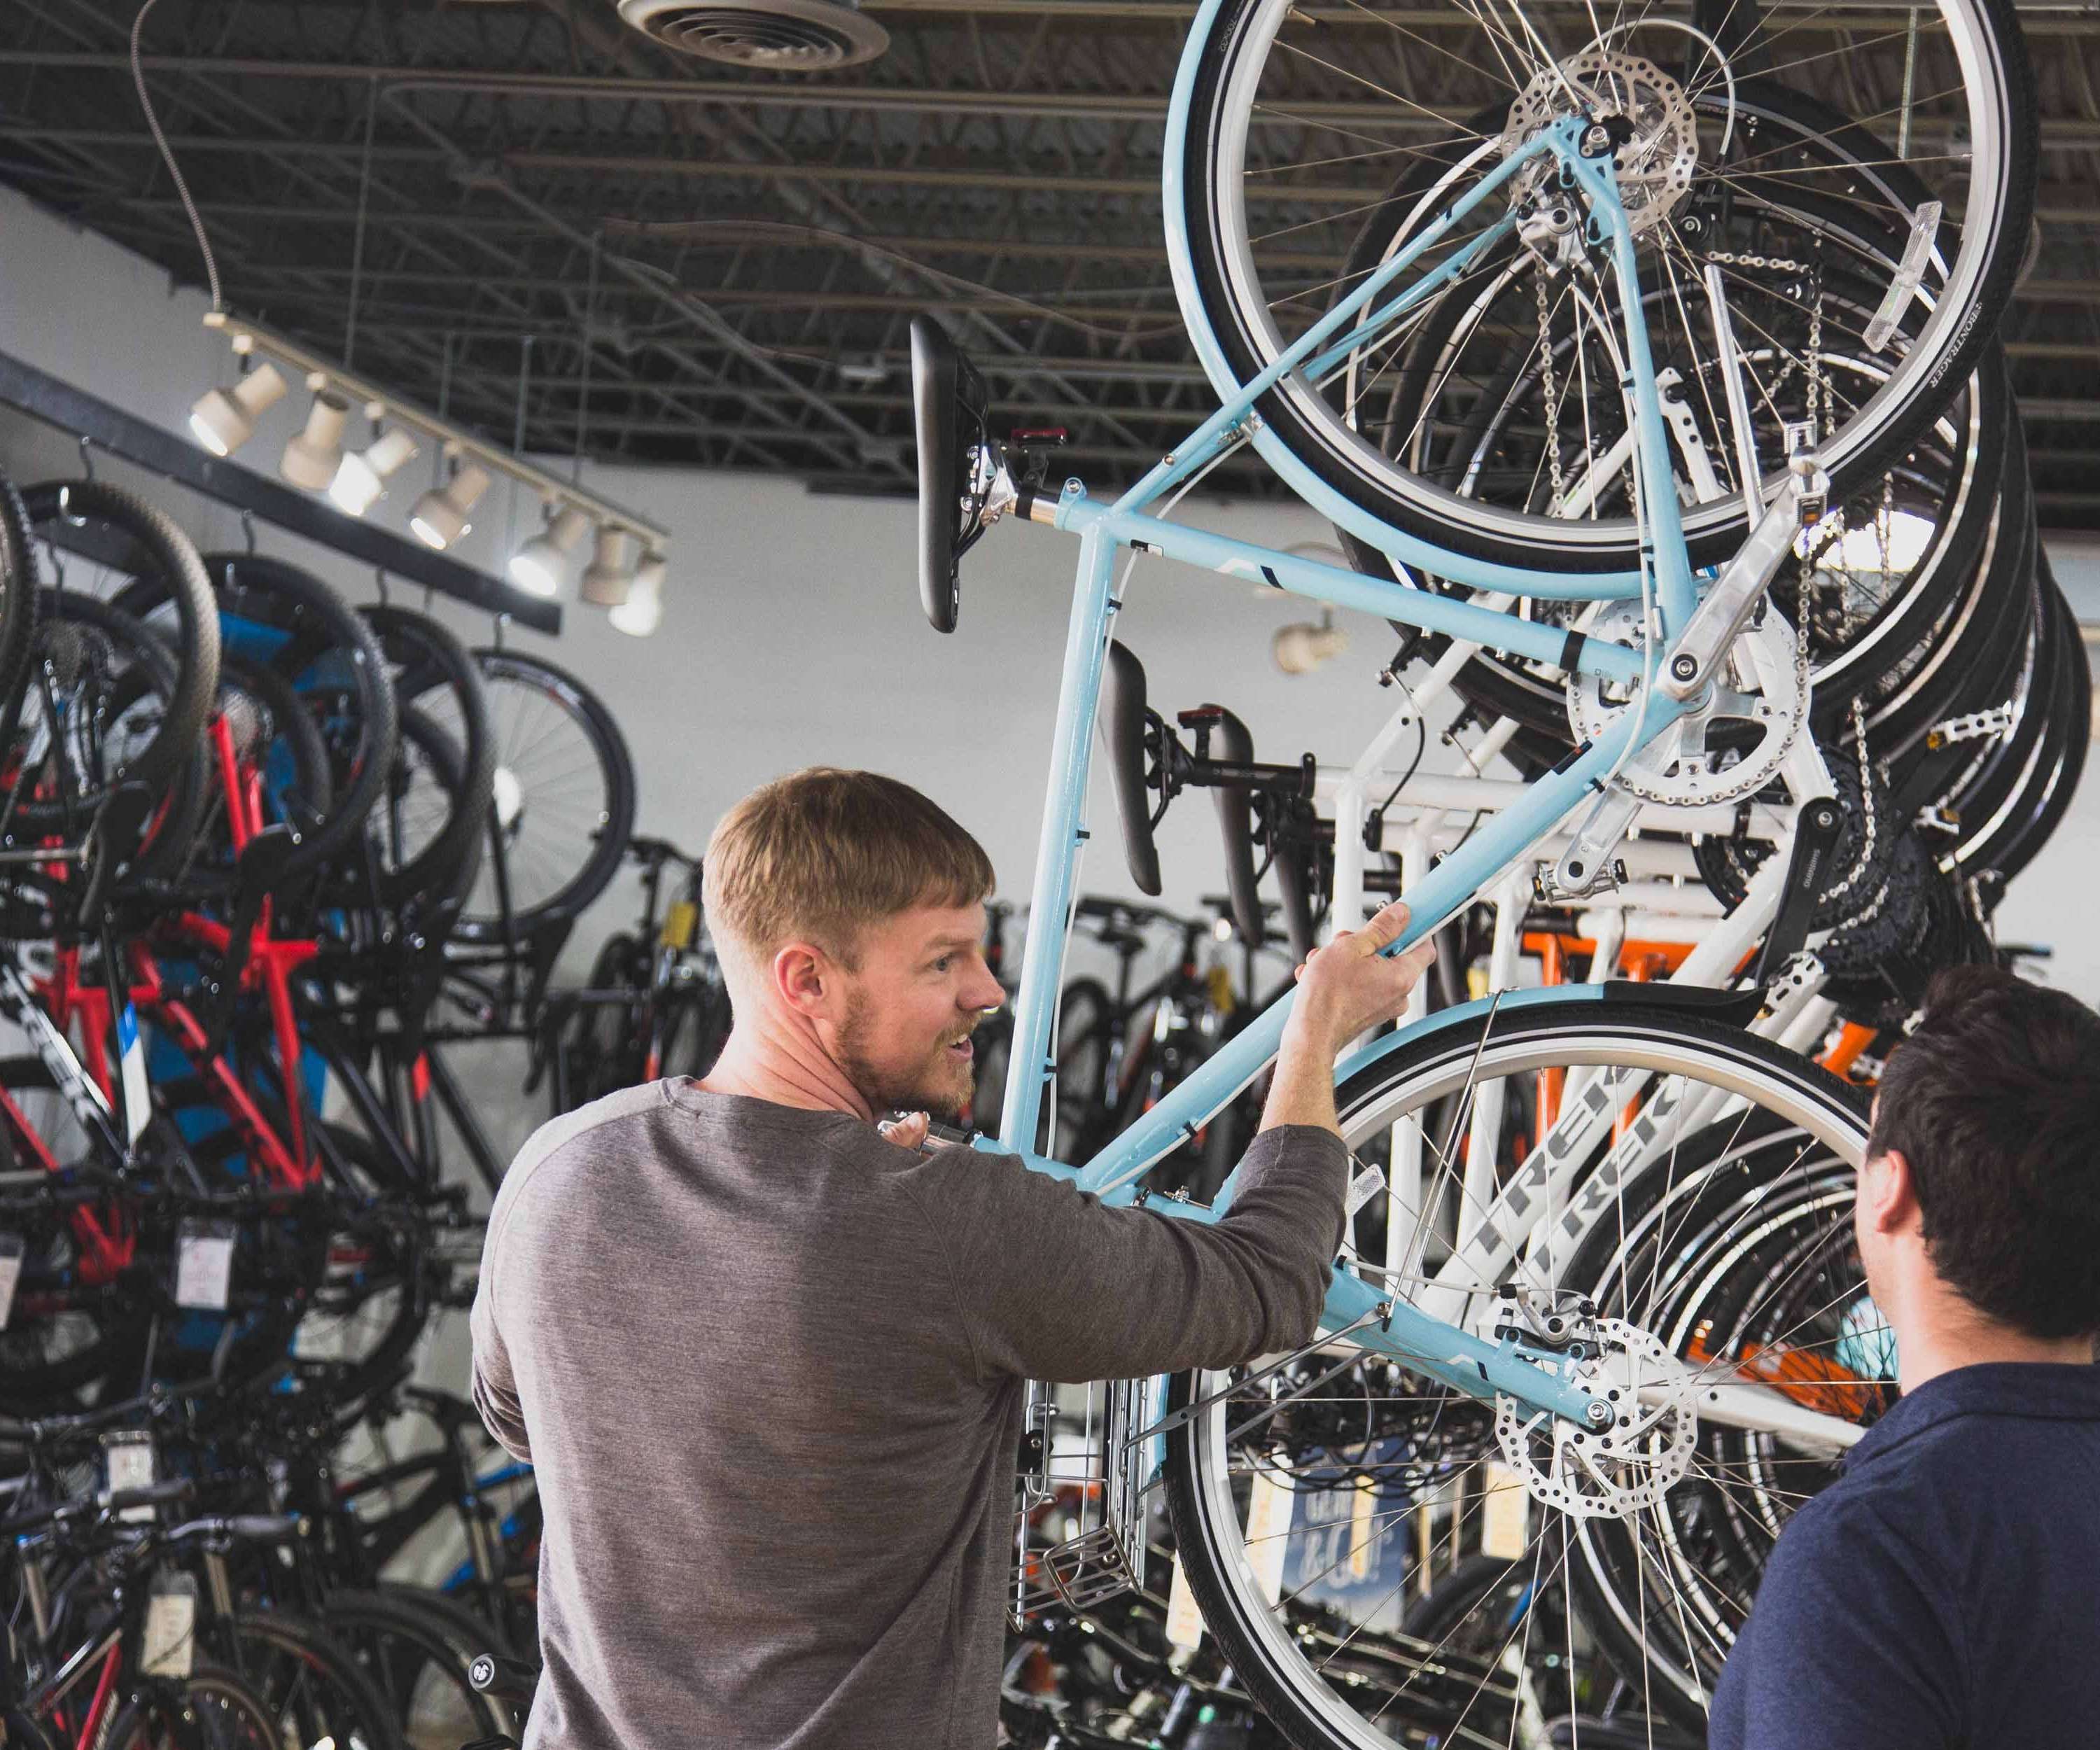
(576, 702)
(242, 1719)
(21, 586)
(1242, 338)
(412, 1660)
(297, 1654)
(429, 665)
(163, 551)
(1438, 1066)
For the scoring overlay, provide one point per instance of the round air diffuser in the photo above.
(783, 36)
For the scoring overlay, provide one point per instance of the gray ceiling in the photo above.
(696, 265)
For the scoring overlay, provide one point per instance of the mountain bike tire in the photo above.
(233, 1716)
(311, 1683)
(433, 673)
(160, 549)
(540, 715)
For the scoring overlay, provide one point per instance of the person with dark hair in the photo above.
(1941, 1592)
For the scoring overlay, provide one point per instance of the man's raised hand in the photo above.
(1349, 985)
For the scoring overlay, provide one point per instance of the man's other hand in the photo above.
(1349, 985)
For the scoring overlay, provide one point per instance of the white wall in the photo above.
(792, 631)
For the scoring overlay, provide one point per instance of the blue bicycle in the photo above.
(1640, 335)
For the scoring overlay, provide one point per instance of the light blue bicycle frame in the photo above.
(1374, 1319)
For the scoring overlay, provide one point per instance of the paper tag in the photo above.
(1364, 1528)
(137, 1097)
(1268, 1530)
(681, 922)
(128, 1457)
(204, 1265)
(11, 1250)
(1365, 1184)
(1505, 1513)
(1184, 1621)
(170, 1627)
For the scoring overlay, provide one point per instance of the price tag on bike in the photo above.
(204, 1265)
(11, 1250)
(127, 1457)
(171, 1647)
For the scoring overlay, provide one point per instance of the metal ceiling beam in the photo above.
(656, 164)
(751, 94)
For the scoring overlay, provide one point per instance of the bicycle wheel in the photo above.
(564, 797)
(310, 1682)
(210, 1708)
(101, 687)
(152, 546)
(289, 630)
(436, 803)
(1698, 189)
(1588, 1153)
(412, 1660)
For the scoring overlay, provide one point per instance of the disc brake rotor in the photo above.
(1615, 1471)
(1656, 162)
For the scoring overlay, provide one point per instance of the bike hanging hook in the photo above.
(87, 457)
(379, 578)
(248, 530)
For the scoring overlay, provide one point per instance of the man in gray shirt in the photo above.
(768, 1360)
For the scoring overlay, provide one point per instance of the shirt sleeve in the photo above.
(1053, 1285)
(495, 1386)
(1849, 1645)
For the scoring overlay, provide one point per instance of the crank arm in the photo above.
(1585, 867)
(1714, 623)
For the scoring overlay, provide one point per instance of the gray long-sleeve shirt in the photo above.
(768, 1368)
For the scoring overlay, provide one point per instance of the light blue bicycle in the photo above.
(1632, 336)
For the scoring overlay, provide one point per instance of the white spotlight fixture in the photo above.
(1301, 647)
(610, 574)
(638, 616)
(360, 479)
(440, 516)
(543, 564)
(312, 458)
(224, 420)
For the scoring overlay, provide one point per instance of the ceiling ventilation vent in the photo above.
(781, 36)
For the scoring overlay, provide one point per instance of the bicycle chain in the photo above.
(1547, 389)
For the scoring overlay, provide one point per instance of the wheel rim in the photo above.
(1977, 98)
(1498, 1705)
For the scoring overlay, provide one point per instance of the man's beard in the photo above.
(939, 1086)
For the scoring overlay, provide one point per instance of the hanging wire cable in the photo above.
(168, 158)
(357, 246)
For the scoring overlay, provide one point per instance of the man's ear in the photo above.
(805, 980)
(1888, 1193)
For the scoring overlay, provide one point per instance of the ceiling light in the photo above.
(1301, 647)
(223, 421)
(312, 458)
(542, 565)
(360, 479)
(440, 516)
(610, 573)
(638, 616)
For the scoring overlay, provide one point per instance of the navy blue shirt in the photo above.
(1944, 1592)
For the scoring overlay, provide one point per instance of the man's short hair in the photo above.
(821, 853)
(1994, 1102)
